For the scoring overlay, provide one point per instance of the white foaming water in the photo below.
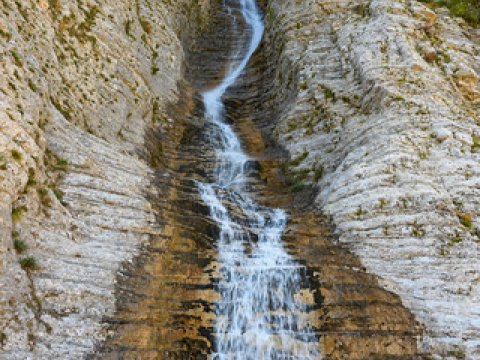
(258, 316)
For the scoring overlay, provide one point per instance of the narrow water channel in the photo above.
(228, 277)
(259, 315)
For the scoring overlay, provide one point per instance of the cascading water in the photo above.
(259, 315)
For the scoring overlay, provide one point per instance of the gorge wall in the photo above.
(377, 103)
(83, 83)
(373, 105)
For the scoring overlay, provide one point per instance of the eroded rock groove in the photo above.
(174, 308)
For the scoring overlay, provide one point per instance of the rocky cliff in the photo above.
(83, 83)
(378, 105)
(375, 102)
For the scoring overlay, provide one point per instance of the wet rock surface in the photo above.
(364, 111)
(166, 300)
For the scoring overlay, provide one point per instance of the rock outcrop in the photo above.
(378, 104)
(82, 85)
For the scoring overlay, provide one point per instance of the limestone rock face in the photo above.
(377, 103)
(81, 86)
(385, 121)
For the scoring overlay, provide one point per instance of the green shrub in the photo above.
(328, 93)
(3, 164)
(32, 85)
(381, 203)
(417, 230)
(20, 246)
(5, 34)
(476, 143)
(28, 263)
(457, 239)
(42, 192)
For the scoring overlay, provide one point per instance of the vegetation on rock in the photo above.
(20, 246)
(467, 9)
(28, 263)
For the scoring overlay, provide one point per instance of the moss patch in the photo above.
(467, 9)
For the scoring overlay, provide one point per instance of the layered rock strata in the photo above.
(82, 84)
(377, 103)
(371, 106)
(167, 298)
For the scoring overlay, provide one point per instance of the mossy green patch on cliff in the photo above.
(3, 162)
(61, 164)
(467, 9)
(18, 59)
(55, 5)
(5, 34)
(65, 111)
(465, 219)
(128, 28)
(58, 194)
(18, 212)
(476, 143)
(329, 94)
(16, 155)
(44, 196)
(29, 263)
(20, 246)
(298, 160)
(318, 173)
(295, 179)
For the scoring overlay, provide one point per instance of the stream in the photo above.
(260, 315)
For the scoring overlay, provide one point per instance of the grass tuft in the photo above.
(18, 59)
(17, 213)
(62, 164)
(28, 263)
(20, 246)
(297, 161)
(44, 197)
(318, 173)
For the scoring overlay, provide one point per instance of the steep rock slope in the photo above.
(378, 104)
(82, 86)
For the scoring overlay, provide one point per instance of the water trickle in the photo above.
(259, 315)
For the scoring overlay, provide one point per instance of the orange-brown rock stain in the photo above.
(166, 298)
(354, 317)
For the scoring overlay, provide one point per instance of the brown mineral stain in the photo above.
(166, 299)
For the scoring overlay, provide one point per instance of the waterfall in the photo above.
(259, 315)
